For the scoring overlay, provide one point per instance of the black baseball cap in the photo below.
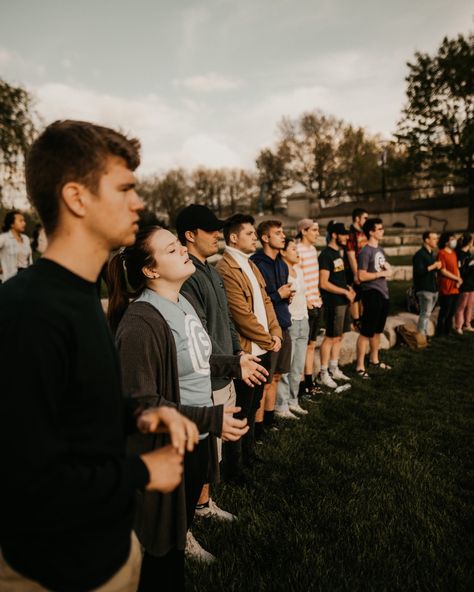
(195, 217)
(337, 228)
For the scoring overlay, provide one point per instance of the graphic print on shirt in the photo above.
(379, 261)
(199, 344)
(338, 264)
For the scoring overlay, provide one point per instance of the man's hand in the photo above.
(165, 466)
(285, 291)
(233, 429)
(276, 343)
(350, 294)
(183, 432)
(252, 372)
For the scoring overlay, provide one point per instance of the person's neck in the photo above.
(334, 245)
(373, 242)
(428, 248)
(195, 253)
(358, 227)
(80, 254)
(291, 267)
(166, 289)
(270, 252)
(448, 249)
(305, 242)
(16, 234)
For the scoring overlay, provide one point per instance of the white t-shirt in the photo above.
(298, 308)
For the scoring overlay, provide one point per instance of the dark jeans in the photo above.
(235, 454)
(196, 469)
(447, 308)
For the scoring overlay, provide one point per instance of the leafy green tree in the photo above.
(17, 129)
(273, 176)
(437, 123)
(165, 195)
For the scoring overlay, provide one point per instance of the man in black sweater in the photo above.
(66, 501)
(425, 269)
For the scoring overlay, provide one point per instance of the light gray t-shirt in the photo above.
(372, 259)
(193, 348)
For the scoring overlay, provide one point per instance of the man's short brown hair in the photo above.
(266, 226)
(72, 151)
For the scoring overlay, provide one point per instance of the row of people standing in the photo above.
(447, 277)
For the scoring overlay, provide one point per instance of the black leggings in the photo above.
(166, 573)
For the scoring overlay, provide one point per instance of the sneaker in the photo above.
(213, 511)
(343, 387)
(285, 414)
(458, 331)
(468, 328)
(325, 380)
(338, 374)
(195, 551)
(297, 409)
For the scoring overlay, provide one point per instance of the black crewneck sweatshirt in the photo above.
(66, 499)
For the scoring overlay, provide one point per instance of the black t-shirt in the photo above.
(67, 494)
(466, 268)
(333, 261)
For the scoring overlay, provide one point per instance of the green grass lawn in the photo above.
(372, 491)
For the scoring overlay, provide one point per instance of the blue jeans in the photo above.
(288, 387)
(427, 302)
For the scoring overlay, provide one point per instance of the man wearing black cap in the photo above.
(199, 229)
(337, 296)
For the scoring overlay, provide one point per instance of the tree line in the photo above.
(315, 153)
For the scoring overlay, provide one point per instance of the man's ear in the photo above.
(189, 236)
(233, 238)
(74, 197)
(264, 239)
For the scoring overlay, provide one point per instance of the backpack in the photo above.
(412, 303)
(410, 336)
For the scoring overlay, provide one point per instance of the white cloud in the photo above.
(205, 150)
(6, 57)
(208, 82)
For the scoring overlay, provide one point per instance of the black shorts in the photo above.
(281, 360)
(374, 314)
(338, 319)
(315, 318)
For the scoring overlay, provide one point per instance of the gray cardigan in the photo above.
(150, 375)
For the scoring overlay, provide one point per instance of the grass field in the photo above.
(372, 491)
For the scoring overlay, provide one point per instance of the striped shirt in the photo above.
(309, 265)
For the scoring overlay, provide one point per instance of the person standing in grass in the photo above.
(275, 273)
(425, 268)
(15, 248)
(307, 233)
(373, 271)
(463, 315)
(449, 282)
(337, 297)
(356, 241)
(254, 319)
(287, 404)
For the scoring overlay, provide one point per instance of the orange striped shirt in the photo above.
(309, 265)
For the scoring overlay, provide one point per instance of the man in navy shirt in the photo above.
(425, 268)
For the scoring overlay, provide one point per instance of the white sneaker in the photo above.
(213, 511)
(326, 380)
(468, 328)
(285, 414)
(458, 331)
(343, 387)
(338, 374)
(195, 551)
(297, 409)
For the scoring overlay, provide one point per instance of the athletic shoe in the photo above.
(325, 380)
(195, 551)
(213, 511)
(343, 387)
(297, 409)
(458, 331)
(468, 328)
(338, 374)
(285, 414)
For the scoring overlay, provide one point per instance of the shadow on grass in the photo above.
(373, 490)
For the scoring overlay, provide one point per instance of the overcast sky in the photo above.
(207, 81)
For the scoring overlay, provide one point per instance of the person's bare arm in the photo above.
(325, 284)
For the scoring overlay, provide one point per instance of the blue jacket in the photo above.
(275, 274)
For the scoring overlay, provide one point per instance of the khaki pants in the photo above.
(125, 580)
(224, 396)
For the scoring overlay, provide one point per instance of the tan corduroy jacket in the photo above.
(240, 297)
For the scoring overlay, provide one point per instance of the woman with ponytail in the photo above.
(166, 360)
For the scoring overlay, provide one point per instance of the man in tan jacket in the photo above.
(253, 316)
